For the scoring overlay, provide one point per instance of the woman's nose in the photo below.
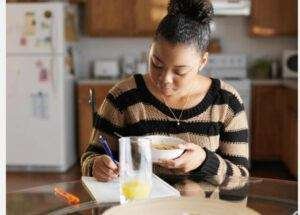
(166, 77)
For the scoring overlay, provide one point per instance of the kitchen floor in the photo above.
(21, 180)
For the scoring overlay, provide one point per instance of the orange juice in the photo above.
(136, 189)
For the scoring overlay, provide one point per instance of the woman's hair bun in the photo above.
(198, 10)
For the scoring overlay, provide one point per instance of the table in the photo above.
(267, 196)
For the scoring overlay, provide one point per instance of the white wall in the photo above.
(106, 48)
(232, 31)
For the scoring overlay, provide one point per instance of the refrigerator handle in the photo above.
(52, 75)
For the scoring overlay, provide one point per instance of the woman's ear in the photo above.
(203, 61)
(150, 50)
(204, 58)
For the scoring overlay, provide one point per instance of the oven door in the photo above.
(290, 64)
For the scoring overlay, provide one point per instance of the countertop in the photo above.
(97, 81)
(289, 83)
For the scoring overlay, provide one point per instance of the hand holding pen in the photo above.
(105, 167)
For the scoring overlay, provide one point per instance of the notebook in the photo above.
(109, 191)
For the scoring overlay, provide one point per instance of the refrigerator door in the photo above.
(35, 111)
(35, 28)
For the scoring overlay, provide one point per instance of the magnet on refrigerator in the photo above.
(30, 24)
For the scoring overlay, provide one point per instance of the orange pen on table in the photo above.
(70, 198)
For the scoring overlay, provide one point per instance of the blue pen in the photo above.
(106, 148)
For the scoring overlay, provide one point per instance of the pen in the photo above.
(70, 198)
(103, 142)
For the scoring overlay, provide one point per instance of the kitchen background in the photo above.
(253, 47)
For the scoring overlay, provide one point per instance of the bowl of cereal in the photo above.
(165, 147)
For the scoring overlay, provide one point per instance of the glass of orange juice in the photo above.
(135, 168)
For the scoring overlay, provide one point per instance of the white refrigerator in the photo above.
(40, 95)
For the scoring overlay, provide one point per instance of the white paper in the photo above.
(109, 191)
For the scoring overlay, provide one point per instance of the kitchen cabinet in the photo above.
(148, 14)
(124, 18)
(267, 122)
(290, 127)
(274, 125)
(8, 1)
(109, 18)
(84, 116)
(273, 17)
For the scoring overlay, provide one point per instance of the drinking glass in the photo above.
(135, 168)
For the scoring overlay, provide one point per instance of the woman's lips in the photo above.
(167, 91)
(166, 88)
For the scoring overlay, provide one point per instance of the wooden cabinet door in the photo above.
(148, 14)
(109, 18)
(290, 128)
(273, 17)
(84, 117)
(266, 122)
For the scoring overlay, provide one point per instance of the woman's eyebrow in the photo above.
(158, 58)
(182, 66)
(163, 62)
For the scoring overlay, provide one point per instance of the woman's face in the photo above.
(173, 68)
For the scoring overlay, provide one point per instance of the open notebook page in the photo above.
(109, 191)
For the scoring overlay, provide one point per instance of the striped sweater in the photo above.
(218, 124)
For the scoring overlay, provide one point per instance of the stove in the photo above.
(231, 68)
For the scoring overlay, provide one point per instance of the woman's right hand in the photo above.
(104, 169)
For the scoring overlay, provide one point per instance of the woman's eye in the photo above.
(180, 73)
(157, 66)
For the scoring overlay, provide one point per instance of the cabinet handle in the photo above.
(263, 31)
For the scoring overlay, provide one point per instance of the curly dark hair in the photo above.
(187, 21)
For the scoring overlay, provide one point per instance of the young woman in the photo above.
(173, 98)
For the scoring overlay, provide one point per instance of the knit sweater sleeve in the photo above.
(232, 156)
(109, 119)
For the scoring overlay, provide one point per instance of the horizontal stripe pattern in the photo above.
(126, 99)
(234, 149)
(142, 94)
(221, 170)
(242, 161)
(236, 172)
(229, 171)
(218, 124)
(159, 126)
(236, 194)
(109, 112)
(243, 172)
(98, 149)
(210, 166)
(171, 127)
(234, 136)
(123, 86)
(112, 139)
(231, 89)
(226, 97)
(105, 125)
(238, 121)
(142, 111)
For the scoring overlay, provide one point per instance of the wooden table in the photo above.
(267, 196)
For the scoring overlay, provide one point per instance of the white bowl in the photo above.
(166, 154)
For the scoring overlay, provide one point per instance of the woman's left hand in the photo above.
(192, 158)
